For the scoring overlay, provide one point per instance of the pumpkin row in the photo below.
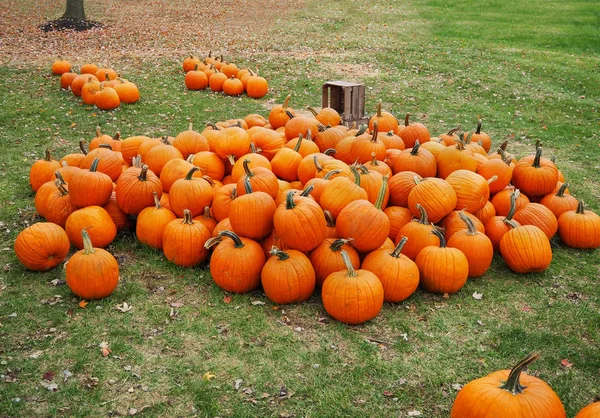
(101, 87)
(221, 76)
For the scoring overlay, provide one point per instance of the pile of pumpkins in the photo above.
(221, 76)
(101, 87)
(293, 202)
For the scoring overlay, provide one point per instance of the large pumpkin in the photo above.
(135, 189)
(508, 394)
(534, 175)
(98, 224)
(251, 215)
(526, 249)
(579, 228)
(288, 277)
(300, 223)
(183, 241)
(326, 258)
(436, 195)
(42, 246)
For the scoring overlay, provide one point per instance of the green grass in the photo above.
(531, 72)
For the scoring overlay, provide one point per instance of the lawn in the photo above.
(531, 71)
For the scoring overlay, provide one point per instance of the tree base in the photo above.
(69, 24)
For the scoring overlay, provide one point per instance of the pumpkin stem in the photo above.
(424, 218)
(511, 223)
(406, 120)
(537, 144)
(248, 185)
(290, 114)
(460, 145)
(156, 200)
(209, 54)
(375, 132)
(88, 248)
(212, 125)
(136, 161)
(330, 151)
(374, 160)
(144, 173)
(492, 179)
(117, 136)
(82, 147)
(211, 242)
(187, 217)
(190, 128)
(580, 209)
(246, 164)
(233, 194)
(190, 159)
(356, 175)
(94, 166)
(361, 130)
(471, 229)
(107, 146)
(165, 140)
(297, 147)
(331, 173)
(417, 180)
(311, 110)
(561, 191)
(381, 195)
(252, 148)
(453, 130)
(439, 234)
(329, 218)
(398, 249)
(379, 109)
(61, 187)
(60, 179)
(512, 384)
(538, 157)
(286, 101)
(479, 122)
(279, 253)
(289, 200)
(348, 264)
(504, 145)
(98, 130)
(513, 204)
(339, 243)
(236, 239)
(48, 157)
(307, 191)
(415, 148)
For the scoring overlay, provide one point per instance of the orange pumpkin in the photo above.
(183, 241)
(288, 277)
(42, 246)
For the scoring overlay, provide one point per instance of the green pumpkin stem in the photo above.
(286, 101)
(561, 191)
(82, 147)
(279, 253)
(248, 185)
(415, 148)
(156, 200)
(289, 200)
(478, 130)
(511, 223)
(538, 157)
(580, 208)
(381, 194)
(88, 248)
(513, 204)
(348, 264)
(492, 179)
(297, 146)
(189, 174)
(453, 130)
(424, 218)
(246, 164)
(513, 384)
(361, 130)
(440, 236)
(94, 166)
(307, 191)
(234, 237)
(318, 166)
(398, 249)
(471, 228)
(331, 173)
(339, 243)
(375, 132)
(356, 175)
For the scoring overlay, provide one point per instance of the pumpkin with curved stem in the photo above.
(255, 160)
(453, 223)
(398, 274)
(234, 143)
(111, 163)
(352, 296)
(370, 182)
(79, 81)
(100, 138)
(74, 160)
(526, 249)
(412, 132)
(261, 179)
(534, 175)
(44, 192)
(326, 258)
(379, 166)
(183, 241)
(344, 146)
(450, 138)
(508, 394)
(130, 147)
(311, 165)
(478, 136)
(560, 202)
(449, 279)
(419, 234)
(104, 74)
(416, 159)
(60, 67)
(590, 411)
(278, 116)
(398, 217)
(66, 172)
(92, 273)
(499, 168)
(42, 246)
(223, 225)
(174, 170)
(538, 215)
(58, 206)
(90, 187)
(498, 225)
(502, 201)
(475, 245)
(365, 144)
(207, 220)
(472, 190)
(288, 277)
(209, 164)
(436, 195)
(192, 194)
(251, 215)
(236, 263)
(303, 144)
(400, 186)
(392, 141)
(326, 116)
(341, 191)
(42, 170)
(256, 86)
(385, 120)
(454, 158)
(190, 142)
(365, 222)
(98, 223)
(151, 223)
(579, 228)
(190, 62)
(135, 189)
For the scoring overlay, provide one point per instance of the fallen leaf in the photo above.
(257, 302)
(457, 386)
(237, 383)
(388, 393)
(176, 304)
(49, 376)
(52, 387)
(566, 363)
(90, 382)
(208, 376)
(227, 299)
(477, 296)
(35, 354)
(124, 307)
(526, 308)
(83, 304)
(57, 282)
(414, 413)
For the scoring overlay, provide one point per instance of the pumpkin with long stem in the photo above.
(236, 262)
(344, 146)
(207, 219)
(580, 228)
(278, 116)
(90, 187)
(454, 223)
(502, 201)
(251, 215)
(475, 245)
(398, 274)
(450, 137)
(379, 166)
(482, 137)
(174, 170)
(92, 273)
(452, 277)
(499, 168)
(262, 180)
(341, 191)
(534, 175)
(498, 225)
(326, 258)
(326, 116)
(385, 120)
(183, 241)
(560, 202)
(58, 205)
(526, 249)
(368, 143)
(437, 196)
(419, 234)
(151, 223)
(135, 189)
(42, 171)
(412, 132)
(42, 246)
(288, 277)
(255, 160)
(307, 145)
(416, 159)
(507, 393)
(300, 125)
(370, 182)
(300, 223)
(286, 161)
(352, 296)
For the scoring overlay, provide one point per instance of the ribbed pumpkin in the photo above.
(236, 263)
(255, 160)
(560, 202)
(526, 249)
(328, 137)
(398, 274)
(352, 296)
(436, 195)
(222, 201)
(42, 246)
(288, 277)
(58, 205)
(267, 141)
(234, 143)
(454, 223)
(256, 86)
(183, 241)
(367, 144)
(98, 224)
(498, 225)
(416, 159)
(92, 273)
(379, 166)
(151, 223)
(326, 258)
(160, 155)
(119, 217)
(304, 145)
(486, 213)
(251, 215)
(538, 215)
(370, 182)
(175, 170)
(135, 189)
(44, 192)
(413, 132)
(454, 158)
(472, 190)
(385, 120)
(499, 168)
(398, 217)
(482, 137)
(534, 175)
(190, 142)
(502, 201)
(365, 222)
(400, 186)
(190, 193)
(298, 125)
(419, 234)
(450, 138)
(261, 179)
(209, 164)
(42, 171)
(341, 191)
(300, 223)
(508, 394)
(90, 187)
(590, 411)
(111, 163)
(278, 116)
(130, 147)
(448, 279)
(475, 245)
(579, 228)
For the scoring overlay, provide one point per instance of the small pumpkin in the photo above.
(42, 246)
(191, 193)
(196, 79)
(416, 159)
(560, 202)
(288, 277)
(183, 241)
(60, 67)
(579, 228)
(326, 258)
(278, 116)
(42, 170)
(437, 196)
(534, 175)
(90, 187)
(412, 132)
(151, 223)
(385, 120)
(475, 245)
(538, 215)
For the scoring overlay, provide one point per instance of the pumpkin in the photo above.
(288, 277)
(579, 228)
(88, 69)
(190, 142)
(183, 241)
(151, 223)
(44, 192)
(303, 144)
(256, 86)
(100, 138)
(89, 90)
(174, 170)
(499, 168)
(286, 161)
(106, 98)
(364, 222)
(97, 222)
(300, 223)
(104, 74)
(398, 217)
(60, 67)
(560, 202)
(216, 81)
(412, 132)
(311, 165)
(399, 275)
(58, 205)
(190, 193)
(222, 201)
(42, 170)
(343, 147)
(190, 63)
(400, 186)
(416, 159)
(236, 263)
(327, 116)
(79, 81)
(538, 215)
(534, 175)
(66, 79)
(254, 119)
(233, 86)
(449, 279)
(135, 189)
(526, 249)
(119, 217)
(502, 201)
(130, 147)
(454, 223)
(261, 179)
(508, 394)
(196, 79)
(92, 273)
(111, 163)
(472, 190)
(209, 164)
(393, 141)
(230, 70)
(207, 219)
(326, 258)
(419, 234)
(475, 245)
(341, 191)
(160, 155)
(251, 215)
(90, 187)
(366, 144)
(234, 143)
(486, 213)
(454, 158)
(42, 246)
(450, 138)
(590, 411)
(498, 225)
(370, 182)
(436, 195)
(267, 141)
(379, 166)
(278, 116)
(352, 296)
(385, 120)
(127, 91)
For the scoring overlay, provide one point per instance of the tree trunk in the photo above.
(74, 10)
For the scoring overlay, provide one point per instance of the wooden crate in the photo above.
(347, 98)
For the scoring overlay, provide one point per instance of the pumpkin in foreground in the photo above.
(288, 277)
(508, 394)
(42, 246)
(590, 411)
(92, 273)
